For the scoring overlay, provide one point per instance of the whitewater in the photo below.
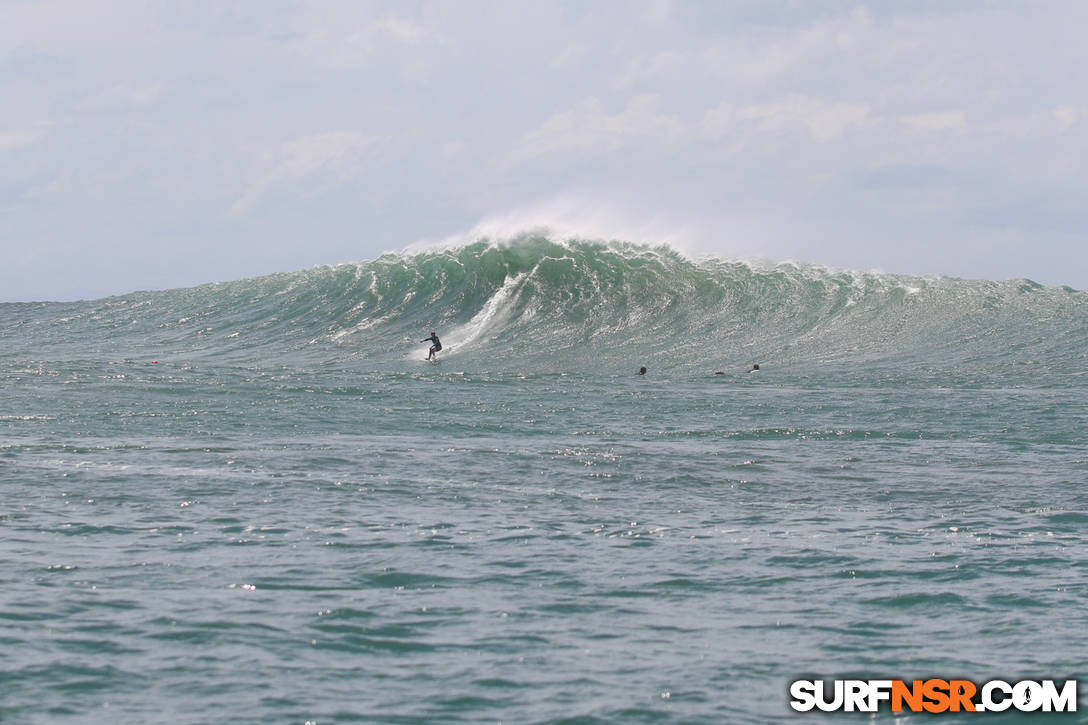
(253, 501)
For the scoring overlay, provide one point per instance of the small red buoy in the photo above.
(154, 362)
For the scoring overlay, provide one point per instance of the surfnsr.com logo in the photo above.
(933, 695)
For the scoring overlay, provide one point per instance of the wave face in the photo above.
(541, 304)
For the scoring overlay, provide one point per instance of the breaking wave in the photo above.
(537, 302)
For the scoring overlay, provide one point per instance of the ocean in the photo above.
(255, 502)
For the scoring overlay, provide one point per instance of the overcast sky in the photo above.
(146, 145)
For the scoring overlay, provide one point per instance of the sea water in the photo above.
(254, 502)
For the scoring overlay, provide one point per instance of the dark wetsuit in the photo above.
(436, 346)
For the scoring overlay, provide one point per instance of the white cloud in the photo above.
(62, 25)
(323, 160)
(56, 188)
(755, 59)
(23, 137)
(953, 122)
(820, 120)
(568, 57)
(125, 94)
(401, 30)
(589, 127)
(356, 49)
(1045, 123)
(453, 149)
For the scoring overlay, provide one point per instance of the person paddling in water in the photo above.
(435, 344)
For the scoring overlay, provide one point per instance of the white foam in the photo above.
(495, 312)
(571, 216)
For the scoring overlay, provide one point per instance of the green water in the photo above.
(289, 517)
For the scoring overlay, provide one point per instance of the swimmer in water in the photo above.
(435, 345)
(642, 370)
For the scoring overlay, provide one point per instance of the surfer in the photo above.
(642, 370)
(435, 344)
(755, 369)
